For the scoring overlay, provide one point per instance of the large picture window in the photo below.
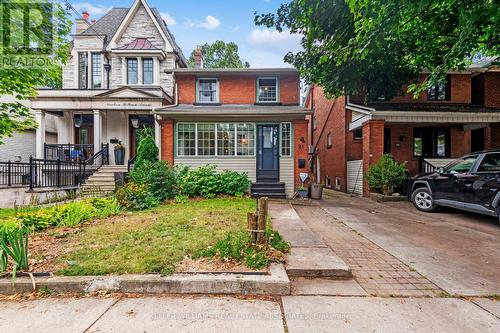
(132, 71)
(286, 139)
(96, 71)
(267, 90)
(431, 142)
(207, 91)
(83, 67)
(147, 71)
(210, 139)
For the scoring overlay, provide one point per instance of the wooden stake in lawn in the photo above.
(252, 226)
(261, 220)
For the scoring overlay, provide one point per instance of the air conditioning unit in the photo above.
(311, 150)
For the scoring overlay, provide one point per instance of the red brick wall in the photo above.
(373, 147)
(300, 148)
(167, 141)
(492, 89)
(240, 89)
(354, 148)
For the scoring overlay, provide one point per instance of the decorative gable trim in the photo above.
(127, 92)
(125, 23)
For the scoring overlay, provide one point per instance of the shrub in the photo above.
(133, 196)
(105, 207)
(203, 181)
(386, 174)
(14, 244)
(158, 177)
(70, 215)
(234, 183)
(146, 151)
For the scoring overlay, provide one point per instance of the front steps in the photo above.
(267, 189)
(102, 182)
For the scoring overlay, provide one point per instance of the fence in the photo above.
(68, 152)
(12, 174)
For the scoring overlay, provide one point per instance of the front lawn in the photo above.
(139, 242)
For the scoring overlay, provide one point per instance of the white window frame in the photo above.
(216, 90)
(277, 100)
(281, 139)
(216, 143)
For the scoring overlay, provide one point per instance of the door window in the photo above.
(490, 163)
(461, 165)
(84, 136)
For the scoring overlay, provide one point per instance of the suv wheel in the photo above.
(422, 199)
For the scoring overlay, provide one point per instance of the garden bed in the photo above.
(166, 239)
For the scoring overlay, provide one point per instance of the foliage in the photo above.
(220, 55)
(69, 214)
(14, 244)
(21, 82)
(374, 47)
(276, 241)
(133, 196)
(147, 151)
(3, 260)
(386, 174)
(158, 177)
(233, 183)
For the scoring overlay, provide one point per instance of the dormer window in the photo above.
(132, 71)
(207, 90)
(267, 90)
(147, 71)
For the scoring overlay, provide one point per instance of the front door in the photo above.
(268, 153)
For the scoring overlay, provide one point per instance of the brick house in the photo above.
(247, 120)
(445, 122)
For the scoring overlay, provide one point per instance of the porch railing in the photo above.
(68, 151)
(432, 164)
(14, 174)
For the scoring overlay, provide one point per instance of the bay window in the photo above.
(210, 139)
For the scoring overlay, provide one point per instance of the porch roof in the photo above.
(257, 112)
(442, 113)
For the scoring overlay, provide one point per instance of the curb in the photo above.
(274, 283)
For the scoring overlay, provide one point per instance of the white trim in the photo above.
(132, 11)
(257, 85)
(359, 122)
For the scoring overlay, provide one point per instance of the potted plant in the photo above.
(302, 191)
(119, 154)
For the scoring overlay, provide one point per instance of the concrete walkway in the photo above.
(228, 314)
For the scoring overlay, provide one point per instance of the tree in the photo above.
(373, 47)
(29, 58)
(220, 55)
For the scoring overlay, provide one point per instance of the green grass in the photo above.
(154, 240)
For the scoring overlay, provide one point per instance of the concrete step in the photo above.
(316, 262)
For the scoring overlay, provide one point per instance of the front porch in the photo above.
(89, 120)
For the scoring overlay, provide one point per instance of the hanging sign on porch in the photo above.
(303, 176)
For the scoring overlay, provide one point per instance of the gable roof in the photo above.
(108, 25)
(139, 44)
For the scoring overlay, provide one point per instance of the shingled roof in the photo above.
(107, 26)
(139, 44)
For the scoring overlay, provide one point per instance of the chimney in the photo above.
(83, 23)
(92, 22)
(198, 58)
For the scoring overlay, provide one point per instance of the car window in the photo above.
(461, 165)
(490, 163)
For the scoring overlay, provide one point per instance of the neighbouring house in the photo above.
(445, 122)
(120, 68)
(247, 120)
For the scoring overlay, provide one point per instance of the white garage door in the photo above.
(355, 177)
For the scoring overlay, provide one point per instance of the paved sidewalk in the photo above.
(378, 272)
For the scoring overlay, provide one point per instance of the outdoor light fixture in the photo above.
(107, 67)
(78, 121)
(135, 122)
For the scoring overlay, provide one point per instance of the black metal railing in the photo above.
(14, 174)
(100, 158)
(68, 151)
(131, 163)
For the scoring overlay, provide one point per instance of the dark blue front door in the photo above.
(268, 153)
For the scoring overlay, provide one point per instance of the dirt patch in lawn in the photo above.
(188, 265)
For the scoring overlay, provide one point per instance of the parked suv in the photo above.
(470, 183)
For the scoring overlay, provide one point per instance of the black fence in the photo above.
(68, 151)
(12, 174)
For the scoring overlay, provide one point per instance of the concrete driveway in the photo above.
(459, 252)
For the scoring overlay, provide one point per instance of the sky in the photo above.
(196, 22)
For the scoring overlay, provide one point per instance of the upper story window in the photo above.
(207, 91)
(132, 71)
(267, 90)
(96, 71)
(440, 92)
(147, 71)
(83, 67)
(357, 134)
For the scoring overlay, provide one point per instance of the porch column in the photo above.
(40, 133)
(158, 134)
(373, 147)
(97, 130)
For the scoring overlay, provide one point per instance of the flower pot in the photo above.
(120, 156)
(316, 191)
(302, 193)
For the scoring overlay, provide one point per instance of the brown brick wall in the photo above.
(373, 147)
(240, 89)
(167, 141)
(492, 89)
(300, 148)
